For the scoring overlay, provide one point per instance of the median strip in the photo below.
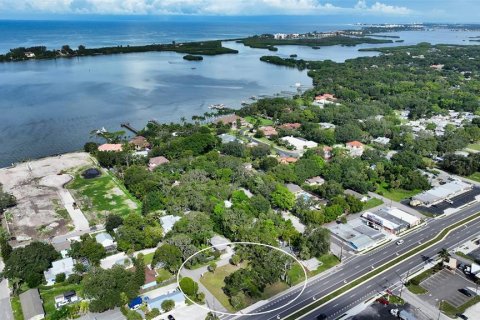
(381, 269)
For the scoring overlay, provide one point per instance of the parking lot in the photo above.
(457, 202)
(444, 285)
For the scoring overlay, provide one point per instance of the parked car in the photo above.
(465, 292)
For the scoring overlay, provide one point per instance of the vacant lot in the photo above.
(40, 212)
(396, 194)
(100, 196)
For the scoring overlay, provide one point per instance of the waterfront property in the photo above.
(110, 147)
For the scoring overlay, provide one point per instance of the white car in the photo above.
(399, 242)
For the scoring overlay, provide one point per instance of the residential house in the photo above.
(140, 143)
(220, 243)
(287, 160)
(327, 125)
(32, 306)
(150, 278)
(359, 196)
(66, 298)
(268, 131)
(323, 99)
(381, 141)
(315, 181)
(231, 120)
(291, 126)
(294, 188)
(177, 296)
(167, 222)
(29, 54)
(60, 266)
(110, 147)
(227, 138)
(156, 161)
(106, 241)
(327, 152)
(299, 143)
(355, 148)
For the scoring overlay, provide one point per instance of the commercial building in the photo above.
(402, 215)
(440, 193)
(358, 235)
(383, 219)
(32, 306)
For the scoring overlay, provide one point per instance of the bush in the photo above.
(238, 301)
(74, 279)
(33, 280)
(59, 278)
(153, 314)
(90, 147)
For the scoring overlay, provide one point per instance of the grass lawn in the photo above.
(100, 196)
(396, 194)
(163, 275)
(451, 311)
(17, 308)
(372, 203)
(263, 121)
(417, 288)
(475, 176)
(148, 258)
(327, 261)
(48, 294)
(214, 283)
(474, 146)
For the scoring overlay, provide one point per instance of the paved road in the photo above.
(362, 264)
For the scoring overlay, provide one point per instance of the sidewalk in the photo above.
(6, 312)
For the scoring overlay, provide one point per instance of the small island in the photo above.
(191, 57)
(293, 56)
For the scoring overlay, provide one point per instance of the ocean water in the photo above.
(49, 107)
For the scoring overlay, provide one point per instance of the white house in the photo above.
(315, 181)
(106, 240)
(299, 143)
(60, 266)
(381, 141)
(167, 222)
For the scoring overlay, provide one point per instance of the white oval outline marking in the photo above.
(239, 313)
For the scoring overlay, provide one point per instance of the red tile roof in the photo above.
(110, 147)
(354, 144)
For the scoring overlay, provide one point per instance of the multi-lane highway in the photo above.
(360, 265)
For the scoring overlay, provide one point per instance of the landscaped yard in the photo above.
(414, 284)
(396, 194)
(100, 196)
(148, 258)
(263, 121)
(214, 283)
(48, 294)
(474, 146)
(163, 275)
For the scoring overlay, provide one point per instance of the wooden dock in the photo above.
(127, 126)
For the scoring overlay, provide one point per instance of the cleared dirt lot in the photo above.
(40, 212)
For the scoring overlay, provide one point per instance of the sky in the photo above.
(462, 11)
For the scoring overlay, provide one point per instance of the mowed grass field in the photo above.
(396, 194)
(101, 196)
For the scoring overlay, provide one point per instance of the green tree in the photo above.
(168, 305)
(169, 256)
(282, 198)
(113, 221)
(189, 287)
(212, 267)
(88, 248)
(59, 278)
(30, 262)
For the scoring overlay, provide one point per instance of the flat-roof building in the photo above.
(384, 220)
(299, 143)
(440, 193)
(357, 235)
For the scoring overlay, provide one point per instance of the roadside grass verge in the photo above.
(214, 282)
(48, 294)
(379, 270)
(414, 284)
(475, 176)
(451, 311)
(463, 255)
(17, 308)
(100, 196)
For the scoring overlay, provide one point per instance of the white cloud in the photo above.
(208, 7)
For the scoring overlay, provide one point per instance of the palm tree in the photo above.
(444, 254)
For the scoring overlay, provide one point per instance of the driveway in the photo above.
(6, 312)
(78, 218)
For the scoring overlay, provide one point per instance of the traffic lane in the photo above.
(384, 253)
(393, 276)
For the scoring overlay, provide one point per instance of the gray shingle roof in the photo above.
(31, 304)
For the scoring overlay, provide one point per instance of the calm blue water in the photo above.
(49, 107)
